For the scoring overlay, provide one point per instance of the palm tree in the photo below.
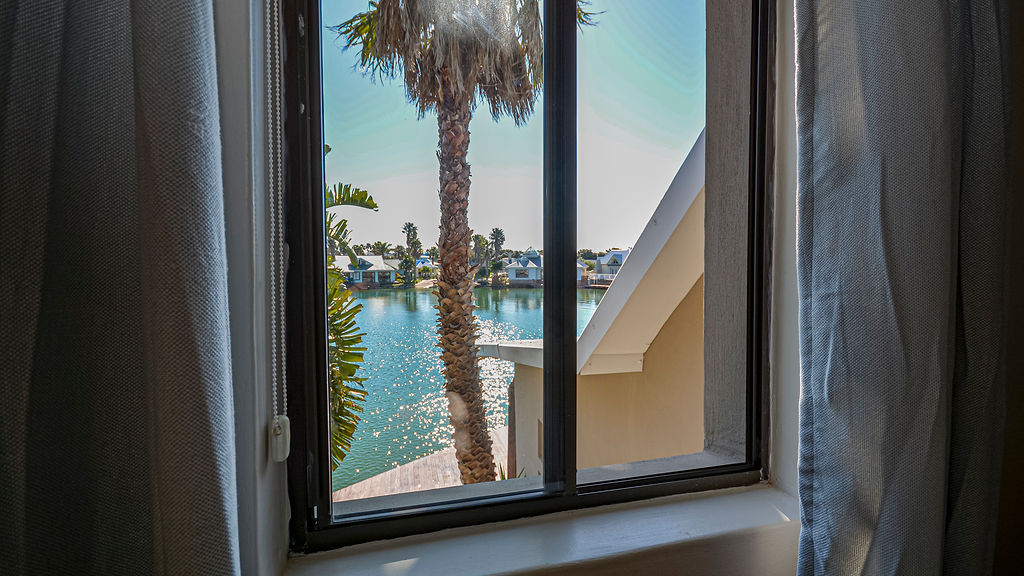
(480, 248)
(413, 249)
(497, 240)
(481, 255)
(449, 55)
(410, 233)
(380, 248)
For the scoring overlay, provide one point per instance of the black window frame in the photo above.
(309, 489)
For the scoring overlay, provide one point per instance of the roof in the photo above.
(666, 262)
(537, 262)
(529, 259)
(370, 264)
(607, 257)
(524, 263)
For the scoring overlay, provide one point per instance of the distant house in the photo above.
(425, 262)
(426, 268)
(527, 270)
(610, 262)
(370, 270)
(607, 266)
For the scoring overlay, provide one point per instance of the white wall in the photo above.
(785, 355)
(262, 501)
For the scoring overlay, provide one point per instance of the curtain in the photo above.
(901, 116)
(116, 437)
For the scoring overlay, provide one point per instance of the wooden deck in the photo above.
(437, 470)
(426, 284)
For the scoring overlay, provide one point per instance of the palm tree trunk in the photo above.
(456, 324)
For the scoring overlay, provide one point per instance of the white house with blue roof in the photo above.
(370, 270)
(607, 266)
(610, 262)
(426, 262)
(527, 270)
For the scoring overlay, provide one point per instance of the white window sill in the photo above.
(740, 530)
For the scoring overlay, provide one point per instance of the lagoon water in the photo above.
(405, 415)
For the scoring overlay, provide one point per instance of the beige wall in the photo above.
(627, 417)
(529, 399)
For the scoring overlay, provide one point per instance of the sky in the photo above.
(641, 87)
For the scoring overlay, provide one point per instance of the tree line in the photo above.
(488, 253)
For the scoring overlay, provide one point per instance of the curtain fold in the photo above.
(116, 426)
(901, 116)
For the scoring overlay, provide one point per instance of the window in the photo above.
(622, 360)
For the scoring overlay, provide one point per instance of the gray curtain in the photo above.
(116, 439)
(901, 115)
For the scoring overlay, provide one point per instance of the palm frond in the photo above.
(345, 352)
(585, 17)
(345, 356)
(337, 228)
(490, 50)
(361, 30)
(348, 195)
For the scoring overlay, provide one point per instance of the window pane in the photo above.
(641, 385)
(418, 417)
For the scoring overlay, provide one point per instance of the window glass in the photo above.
(640, 387)
(446, 261)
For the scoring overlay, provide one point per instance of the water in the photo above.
(405, 416)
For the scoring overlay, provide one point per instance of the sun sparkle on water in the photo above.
(405, 416)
